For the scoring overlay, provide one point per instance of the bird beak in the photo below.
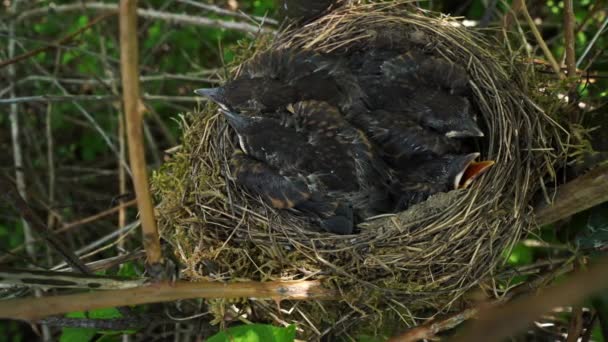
(468, 129)
(462, 165)
(473, 171)
(212, 94)
(238, 122)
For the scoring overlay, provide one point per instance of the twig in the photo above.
(133, 109)
(511, 14)
(77, 223)
(496, 324)
(104, 264)
(541, 41)
(580, 194)
(12, 195)
(16, 139)
(105, 98)
(591, 43)
(221, 11)
(53, 45)
(428, 331)
(569, 38)
(163, 291)
(50, 279)
(148, 14)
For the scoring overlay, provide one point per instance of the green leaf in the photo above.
(255, 333)
(127, 270)
(76, 334)
(520, 255)
(104, 313)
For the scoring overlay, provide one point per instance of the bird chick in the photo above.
(401, 141)
(273, 79)
(440, 174)
(423, 88)
(316, 164)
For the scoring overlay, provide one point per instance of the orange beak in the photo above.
(473, 171)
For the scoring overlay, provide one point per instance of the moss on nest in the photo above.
(421, 259)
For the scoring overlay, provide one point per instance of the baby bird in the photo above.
(313, 161)
(422, 88)
(440, 174)
(401, 141)
(273, 79)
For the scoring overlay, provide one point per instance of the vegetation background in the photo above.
(62, 139)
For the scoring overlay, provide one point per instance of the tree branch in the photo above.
(148, 14)
(164, 291)
(580, 194)
(496, 324)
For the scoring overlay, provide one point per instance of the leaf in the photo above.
(520, 255)
(104, 313)
(255, 333)
(76, 334)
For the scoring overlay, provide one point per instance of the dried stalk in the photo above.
(164, 291)
(541, 41)
(133, 109)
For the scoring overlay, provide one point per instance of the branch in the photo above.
(569, 38)
(580, 194)
(148, 14)
(106, 98)
(133, 109)
(164, 291)
(51, 279)
(55, 44)
(429, 331)
(497, 324)
(541, 41)
(10, 193)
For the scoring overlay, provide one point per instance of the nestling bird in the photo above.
(401, 141)
(441, 174)
(408, 85)
(314, 161)
(273, 79)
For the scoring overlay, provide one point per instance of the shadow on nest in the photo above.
(410, 264)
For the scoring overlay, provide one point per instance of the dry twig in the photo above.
(164, 291)
(133, 109)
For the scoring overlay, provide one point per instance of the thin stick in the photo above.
(569, 38)
(53, 45)
(580, 194)
(149, 14)
(11, 194)
(164, 291)
(133, 109)
(541, 41)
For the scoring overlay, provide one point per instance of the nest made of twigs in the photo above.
(422, 258)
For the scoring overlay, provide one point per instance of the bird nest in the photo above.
(397, 265)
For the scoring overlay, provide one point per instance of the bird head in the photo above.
(216, 95)
(461, 123)
(458, 167)
(240, 123)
